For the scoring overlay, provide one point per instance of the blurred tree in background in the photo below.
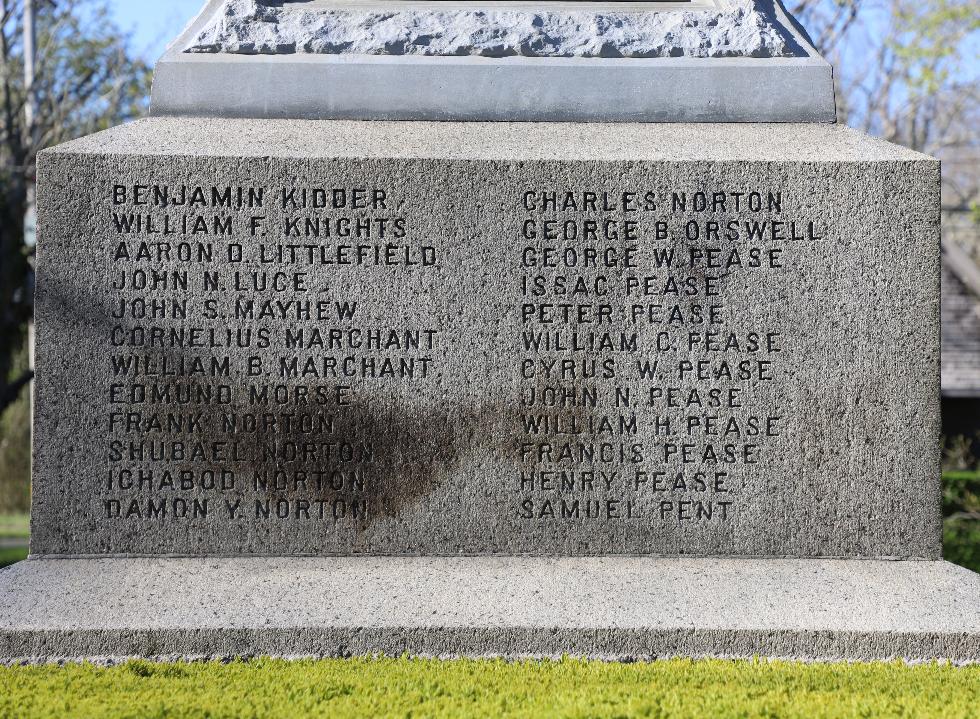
(86, 78)
(15, 447)
(908, 71)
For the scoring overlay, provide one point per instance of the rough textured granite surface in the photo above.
(412, 338)
(733, 28)
(621, 608)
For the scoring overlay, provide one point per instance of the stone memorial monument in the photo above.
(336, 355)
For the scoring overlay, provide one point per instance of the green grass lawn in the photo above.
(9, 555)
(15, 529)
(15, 526)
(432, 688)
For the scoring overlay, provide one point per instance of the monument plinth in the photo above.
(469, 388)
(688, 61)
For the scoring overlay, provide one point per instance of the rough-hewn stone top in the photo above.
(735, 28)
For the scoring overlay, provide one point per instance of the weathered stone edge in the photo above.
(617, 644)
(201, 139)
(624, 608)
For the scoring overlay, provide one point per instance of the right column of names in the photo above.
(646, 357)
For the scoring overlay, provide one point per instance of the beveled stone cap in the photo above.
(699, 60)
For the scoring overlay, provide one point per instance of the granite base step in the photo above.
(618, 608)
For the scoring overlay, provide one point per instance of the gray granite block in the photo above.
(333, 338)
(612, 607)
(725, 61)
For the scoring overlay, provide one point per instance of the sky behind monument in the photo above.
(153, 23)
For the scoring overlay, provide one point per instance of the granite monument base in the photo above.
(474, 379)
(282, 338)
(608, 607)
